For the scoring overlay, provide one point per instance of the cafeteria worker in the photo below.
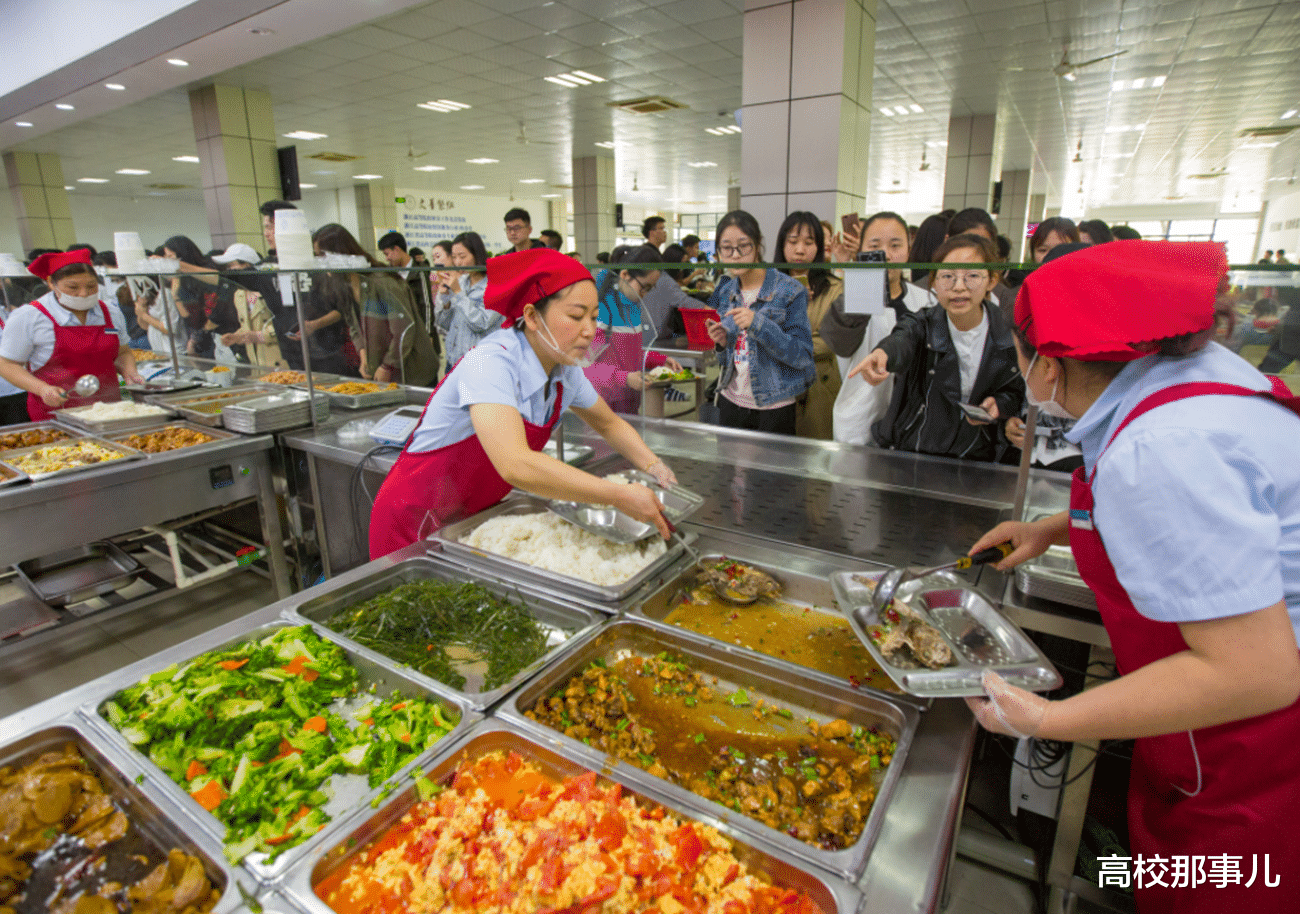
(68, 332)
(1185, 522)
(483, 429)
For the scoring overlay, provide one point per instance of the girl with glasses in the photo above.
(623, 330)
(803, 241)
(959, 353)
(768, 360)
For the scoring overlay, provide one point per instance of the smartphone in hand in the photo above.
(849, 222)
(978, 413)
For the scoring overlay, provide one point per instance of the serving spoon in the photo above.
(87, 386)
(889, 582)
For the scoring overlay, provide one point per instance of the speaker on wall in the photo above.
(618, 215)
(995, 206)
(289, 189)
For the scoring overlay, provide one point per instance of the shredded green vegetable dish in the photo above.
(441, 628)
(255, 732)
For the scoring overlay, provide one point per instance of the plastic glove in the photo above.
(1007, 709)
(664, 476)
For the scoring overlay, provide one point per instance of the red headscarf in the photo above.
(526, 277)
(48, 264)
(1114, 302)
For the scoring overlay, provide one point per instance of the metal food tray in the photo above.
(359, 401)
(564, 624)
(319, 379)
(70, 433)
(213, 420)
(1055, 576)
(979, 636)
(573, 453)
(160, 386)
(809, 588)
(612, 524)
(79, 573)
(128, 453)
(679, 502)
(217, 436)
(10, 475)
(347, 791)
(558, 761)
(805, 696)
(274, 412)
(152, 832)
(109, 426)
(449, 539)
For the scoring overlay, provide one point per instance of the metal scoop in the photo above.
(890, 581)
(87, 386)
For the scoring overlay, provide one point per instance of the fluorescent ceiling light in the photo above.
(133, 171)
(1259, 145)
(443, 106)
(937, 143)
(367, 177)
(429, 168)
(1157, 82)
(304, 135)
(22, 123)
(574, 79)
(1070, 77)
(1286, 117)
(547, 196)
(887, 112)
(69, 187)
(64, 106)
(307, 186)
(1139, 84)
(483, 161)
(1118, 86)
(916, 109)
(702, 164)
(471, 187)
(608, 144)
(177, 62)
(900, 109)
(116, 87)
(192, 159)
(723, 131)
(93, 180)
(1126, 128)
(532, 180)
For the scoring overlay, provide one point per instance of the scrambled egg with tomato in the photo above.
(507, 838)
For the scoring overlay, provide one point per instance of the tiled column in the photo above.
(973, 162)
(806, 94)
(1015, 209)
(376, 212)
(235, 135)
(41, 203)
(593, 205)
(559, 213)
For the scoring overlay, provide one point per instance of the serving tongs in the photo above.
(890, 581)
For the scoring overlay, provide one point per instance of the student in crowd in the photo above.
(418, 257)
(852, 337)
(1125, 233)
(551, 239)
(1094, 231)
(393, 247)
(929, 235)
(691, 245)
(803, 241)
(256, 317)
(519, 230)
(205, 301)
(655, 231)
(387, 330)
(267, 211)
(602, 257)
(1050, 233)
(1286, 342)
(618, 373)
(460, 313)
(979, 222)
(662, 301)
(768, 359)
(960, 351)
(1267, 258)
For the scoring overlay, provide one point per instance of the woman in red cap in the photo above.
(63, 335)
(483, 429)
(1185, 522)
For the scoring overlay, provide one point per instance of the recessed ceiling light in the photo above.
(322, 172)
(307, 186)
(723, 131)
(1139, 84)
(367, 177)
(1126, 128)
(1118, 85)
(1260, 145)
(532, 180)
(550, 196)
(93, 180)
(574, 79)
(916, 109)
(116, 87)
(900, 109)
(429, 168)
(1286, 117)
(1157, 82)
(702, 164)
(471, 187)
(191, 159)
(443, 106)
(887, 112)
(937, 143)
(64, 106)
(304, 135)
(483, 161)
(608, 144)
(177, 62)
(22, 123)
(133, 171)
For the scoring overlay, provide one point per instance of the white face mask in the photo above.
(77, 302)
(588, 359)
(1049, 406)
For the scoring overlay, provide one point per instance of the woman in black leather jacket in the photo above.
(960, 351)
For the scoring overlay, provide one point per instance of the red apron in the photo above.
(428, 490)
(78, 350)
(1198, 799)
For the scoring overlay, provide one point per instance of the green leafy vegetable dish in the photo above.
(664, 373)
(458, 633)
(255, 732)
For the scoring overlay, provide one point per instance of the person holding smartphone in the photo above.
(948, 358)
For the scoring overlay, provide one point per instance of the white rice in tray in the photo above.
(545, 541)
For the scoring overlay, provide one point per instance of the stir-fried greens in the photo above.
(440, 627)
(255, 731)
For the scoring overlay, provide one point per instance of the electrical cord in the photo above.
(1002, 829)
(1045, 753)
(358, 491)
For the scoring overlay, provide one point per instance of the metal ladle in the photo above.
(890, 581)
(723, 594)
(87, 386)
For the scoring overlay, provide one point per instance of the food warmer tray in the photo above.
(449, 540)
(217, 436)
(359, 401)
(573, 453)
(554, 758)
(69, 431)
(805, 696)
(565, 625)
(128, 453)
(152, 833)
(979, 636)
(274, 412)
(609, 523)
(79, 573)
(109, 426)
(159, 386)
(319, 379)
(186, 403)
(347, 791)
(1055, 576)
(10, 475)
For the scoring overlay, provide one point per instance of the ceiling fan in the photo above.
(1066, 70)
(412, 154)
(523, 139)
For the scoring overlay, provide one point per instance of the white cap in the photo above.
(239, 251)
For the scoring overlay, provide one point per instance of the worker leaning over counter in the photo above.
(1185, 522)
(484, 427)
(66, 333)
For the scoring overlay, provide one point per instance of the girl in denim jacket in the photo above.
(768, 361)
